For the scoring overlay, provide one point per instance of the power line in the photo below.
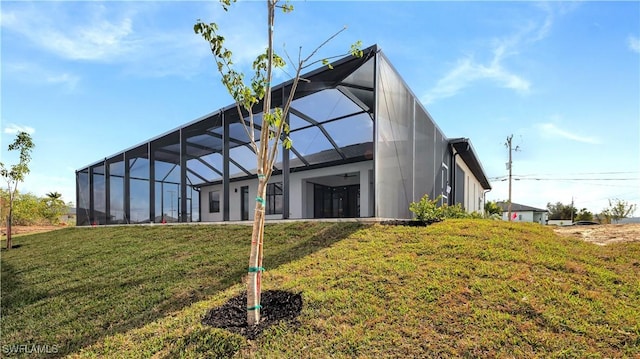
(582, 173)
(518, 178)
(577, 179)
(566, 174)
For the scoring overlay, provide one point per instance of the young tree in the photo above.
(620, 209)
(491, 208)
(584, 215)
(16, 173)
(561, 211)
(604, 217)
(53, 207)
(274, 125)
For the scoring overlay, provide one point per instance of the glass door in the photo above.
(244, 203)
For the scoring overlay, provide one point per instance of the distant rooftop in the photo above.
(516, 207)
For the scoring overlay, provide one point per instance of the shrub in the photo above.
(427, 210)
(455, 211)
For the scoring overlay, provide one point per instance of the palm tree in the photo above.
(54, 195)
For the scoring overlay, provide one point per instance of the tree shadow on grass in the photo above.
(106, 306)
(15, 294)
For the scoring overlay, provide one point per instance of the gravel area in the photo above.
(603, 234)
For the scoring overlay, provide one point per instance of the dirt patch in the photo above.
(603, 234)
(277, 305)
(21, 230)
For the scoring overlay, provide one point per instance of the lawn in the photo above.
(67, 289)
(460, 288)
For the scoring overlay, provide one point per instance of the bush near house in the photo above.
(428, 211)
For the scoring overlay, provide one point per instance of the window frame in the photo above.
(274, 190)
(213, 201)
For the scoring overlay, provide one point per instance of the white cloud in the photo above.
(468, 71)
(104, 34)
(633, 43)
(65, 78)
(33, 73)
(92, 36)
(102, 41)
(550, 129)
(128, 36)
(13, 129)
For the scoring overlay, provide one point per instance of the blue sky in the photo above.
(89, 79)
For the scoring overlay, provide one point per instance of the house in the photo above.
(363, 146)
(522, 213)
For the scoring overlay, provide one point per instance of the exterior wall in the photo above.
(411, 153)
(521, 216)
(528, 216)
(473, 192)
(541, 218)
(300, 192)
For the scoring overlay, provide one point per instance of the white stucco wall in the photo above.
(300, 192)
(520, 216)
(473, 192)
(527, 216)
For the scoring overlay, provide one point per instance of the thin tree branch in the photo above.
(326, 58)
(324, 43)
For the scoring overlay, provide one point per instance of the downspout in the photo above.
(452, 165)
(484, 201)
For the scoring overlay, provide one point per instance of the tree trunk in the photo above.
(255, 259)
(9, 229)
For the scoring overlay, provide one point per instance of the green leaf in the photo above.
(226, 4)
(287, 7)
(286, 143)
(356, 49)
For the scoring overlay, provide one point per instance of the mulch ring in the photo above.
(277, 305)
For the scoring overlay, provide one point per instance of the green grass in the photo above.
(72, 287)
(460, 288)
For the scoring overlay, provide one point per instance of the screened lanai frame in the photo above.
(215, 149)
(361, 110)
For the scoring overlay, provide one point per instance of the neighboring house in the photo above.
(363, 146)
(522, 213)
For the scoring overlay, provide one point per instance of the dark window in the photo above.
(336, 202)
(214, 202)
(244, 203)
(274, 198)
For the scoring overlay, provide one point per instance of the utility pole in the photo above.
(571, 209)
(509, 166)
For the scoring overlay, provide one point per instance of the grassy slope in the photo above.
(72, 287)
(457, 288)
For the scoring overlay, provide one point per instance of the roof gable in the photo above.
(516, 207)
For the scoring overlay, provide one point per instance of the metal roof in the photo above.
(465, 150)
(516, 207)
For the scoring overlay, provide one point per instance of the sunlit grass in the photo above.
(460, 288)
(72, 287)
